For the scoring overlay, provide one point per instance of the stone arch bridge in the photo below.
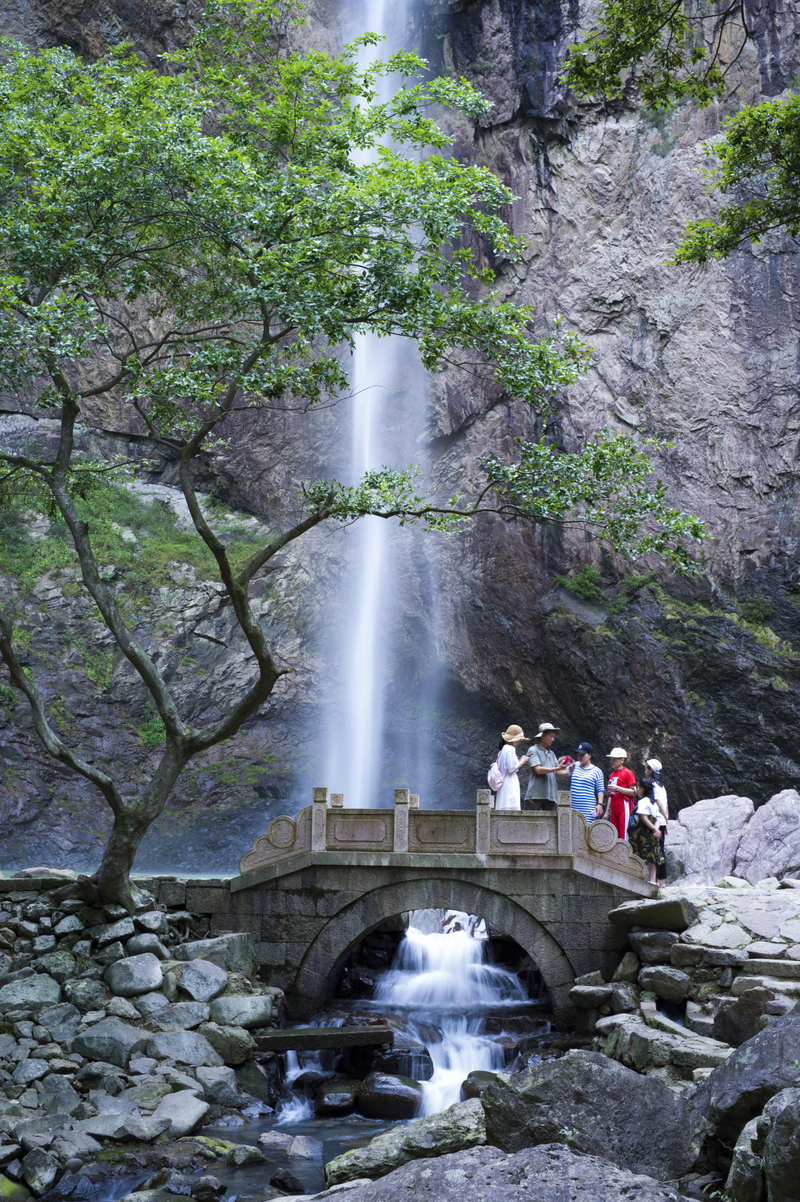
(313, 886)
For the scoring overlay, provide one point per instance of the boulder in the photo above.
(740, 1088)
(13, 1191)
(235, 1045)
(460, 1126)
(180, 1113)
(147, 1094)
(671, 913)
(628, 968)
(478, 1080)
(122, 1128)
(589, 997)
(30, 1070)
(336, 1097)
(86, 995)
(255, 1080)
(72, 1145)
(283, 1179)
(146, 942)
(29, 995)
(61, 965)
(120, 1007)
(57, 1096)
(61, 1022)
(152, 922)
(236, 953)
(201, 979)
(551, 1173)
(384, 1096)
(770, 842)
(134, 975)
(704, 839)
(182, 1016)
(652, 947)
(671, 984)
(782, 1145)
(184, 1047)
(112, 1041)
(742, 1019)
(39, 1170)
(111, 932)
(219, 1085)
(259, 1010)
(567, 1101)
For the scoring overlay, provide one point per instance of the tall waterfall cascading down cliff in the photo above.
(387, 411)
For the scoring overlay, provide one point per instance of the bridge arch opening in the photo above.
(373, 955)
(322, 965)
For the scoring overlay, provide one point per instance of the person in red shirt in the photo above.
(621, 792)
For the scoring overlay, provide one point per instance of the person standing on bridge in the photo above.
(586, 786)
(542, 791)
(621, 792)
(508, 795)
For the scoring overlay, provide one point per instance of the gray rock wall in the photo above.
(704, 357)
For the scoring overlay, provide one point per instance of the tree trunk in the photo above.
(131, 823)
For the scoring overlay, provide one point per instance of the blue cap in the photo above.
(587, 747)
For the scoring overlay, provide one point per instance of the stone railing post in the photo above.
(319, 820)
(564, 819)
(483, 819)
(413, 801)
(401, 803)
(337, 801)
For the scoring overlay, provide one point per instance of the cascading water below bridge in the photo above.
(444, 987)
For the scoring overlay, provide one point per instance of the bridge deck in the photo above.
(407, 837)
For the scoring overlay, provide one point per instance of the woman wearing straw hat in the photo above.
(508, 763)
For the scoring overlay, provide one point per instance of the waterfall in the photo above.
(362, 756)
(441, 981)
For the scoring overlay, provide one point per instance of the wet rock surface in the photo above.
(566, 1101)
(551, 1173)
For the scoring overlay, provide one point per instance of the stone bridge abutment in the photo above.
(313, 886)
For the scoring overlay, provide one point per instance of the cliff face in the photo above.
(705, 673)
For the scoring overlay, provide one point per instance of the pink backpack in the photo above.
(495, 778)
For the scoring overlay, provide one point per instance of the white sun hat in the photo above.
(617, 753)
(655, 765)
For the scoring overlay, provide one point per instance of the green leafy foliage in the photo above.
(670, 50)
(151, 732)
(757, 165)
(259, 208)
(756, 608)
(587, 583)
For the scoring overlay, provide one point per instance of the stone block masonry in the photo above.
(550, 887)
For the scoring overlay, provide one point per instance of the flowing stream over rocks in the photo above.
(454, 1012)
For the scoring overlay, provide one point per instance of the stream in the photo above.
(454, 1012)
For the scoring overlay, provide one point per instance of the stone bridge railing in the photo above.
(406, 835)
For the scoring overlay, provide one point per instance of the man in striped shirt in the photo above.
(586, 786)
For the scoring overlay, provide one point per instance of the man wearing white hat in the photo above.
(542, 791)
(621, 792)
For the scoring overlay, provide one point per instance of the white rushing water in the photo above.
(441, 981)
(364, 755)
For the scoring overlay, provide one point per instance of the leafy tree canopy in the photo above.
(672, 51)
(193, 244)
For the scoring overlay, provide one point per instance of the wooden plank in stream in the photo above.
(317, 1039)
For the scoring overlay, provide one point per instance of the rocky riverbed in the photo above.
(130, 1065)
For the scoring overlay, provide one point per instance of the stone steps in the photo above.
(785, 970)
(780, 986)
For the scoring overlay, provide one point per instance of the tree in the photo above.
(211, 234)
(673, 51)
